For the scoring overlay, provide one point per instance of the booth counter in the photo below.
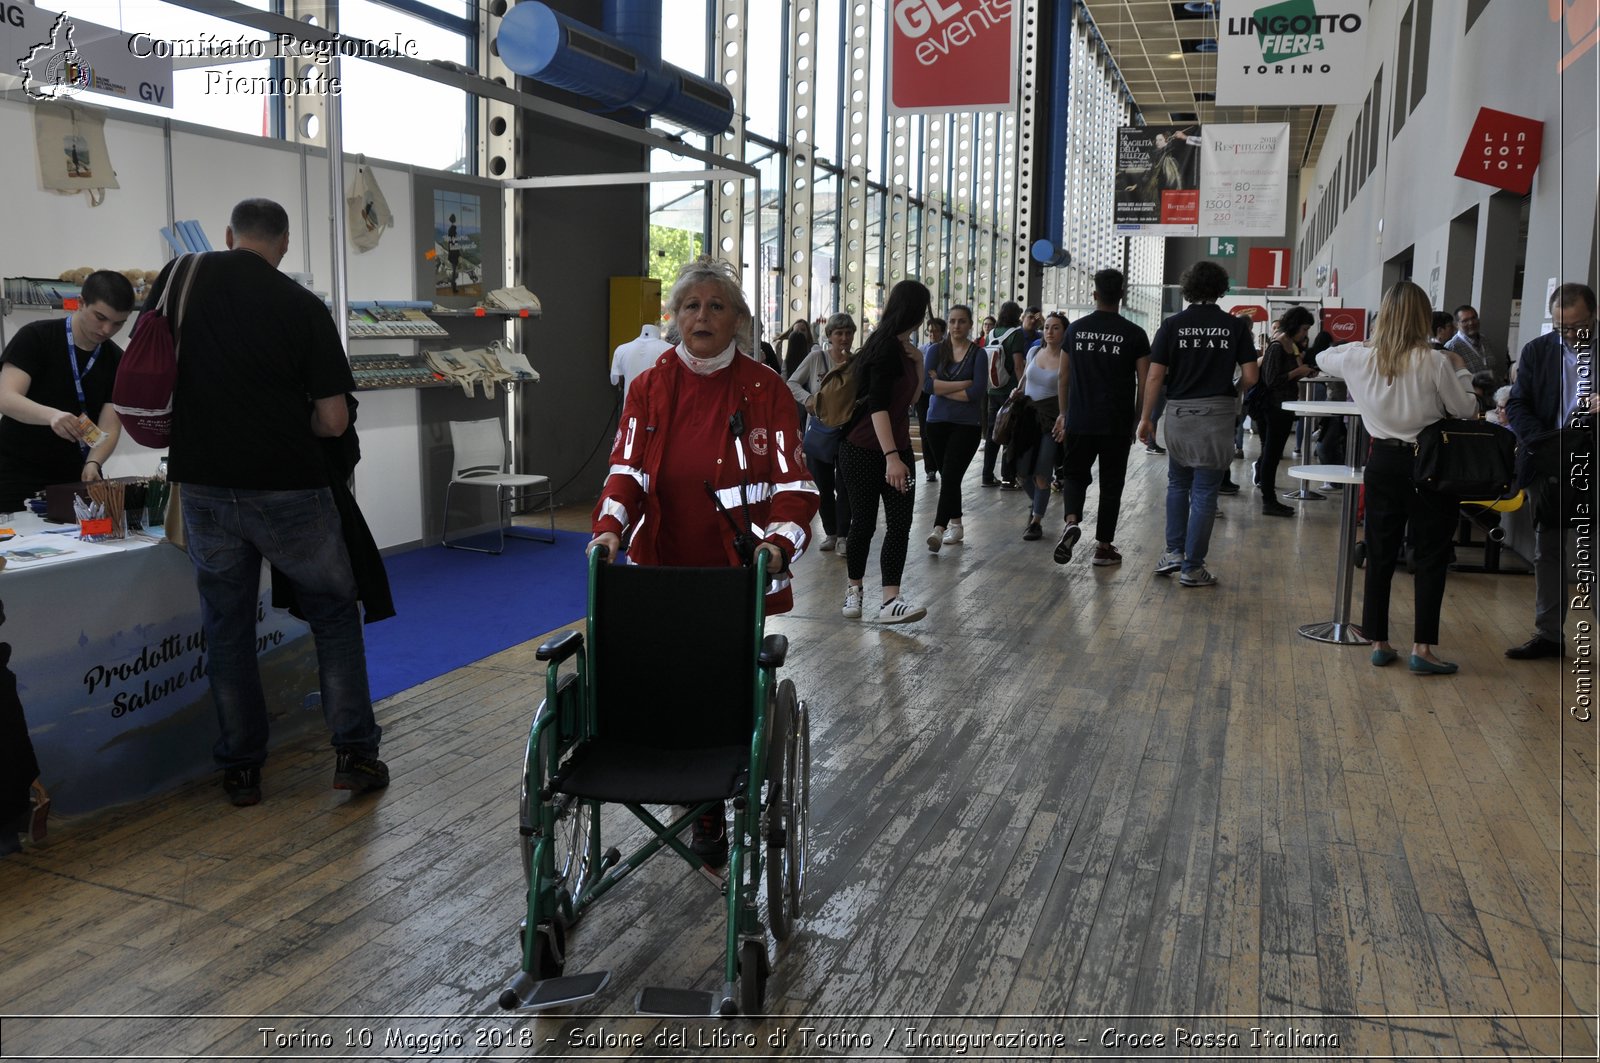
(105, 643)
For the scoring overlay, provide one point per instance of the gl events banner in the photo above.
(953, 55)
(1292, 52)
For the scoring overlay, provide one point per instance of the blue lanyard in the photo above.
(77, 376)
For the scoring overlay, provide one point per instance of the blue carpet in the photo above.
(456, 607)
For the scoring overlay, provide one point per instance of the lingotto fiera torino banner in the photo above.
(952, 55)
(1292, 52)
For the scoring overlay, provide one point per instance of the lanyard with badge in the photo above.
(78, 375)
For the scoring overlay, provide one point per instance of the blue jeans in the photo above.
(1191, 510)
(298, 532)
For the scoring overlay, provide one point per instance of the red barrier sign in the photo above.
(952, 55)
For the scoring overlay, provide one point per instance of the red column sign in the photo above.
(1269, 268)
(1503, 151)
(952, 55)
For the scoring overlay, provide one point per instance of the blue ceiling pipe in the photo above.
(1049, 249)
(618, 71)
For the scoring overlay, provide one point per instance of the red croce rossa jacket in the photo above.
(767, 460)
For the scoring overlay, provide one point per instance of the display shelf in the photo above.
(483, 311)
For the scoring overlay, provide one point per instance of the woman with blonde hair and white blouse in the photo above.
(1401, 385)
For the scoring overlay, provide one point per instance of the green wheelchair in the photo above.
(670, 697)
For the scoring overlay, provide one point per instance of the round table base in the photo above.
(1302, 494)
(1335, 632)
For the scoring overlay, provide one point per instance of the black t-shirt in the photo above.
(255, 349)
(1200, 348)
(32, 456)
(1104, 349)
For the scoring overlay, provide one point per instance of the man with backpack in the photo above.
(262, 379)
(1007, 348)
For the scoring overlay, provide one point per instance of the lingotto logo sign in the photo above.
(952, 55)
(1293, 52)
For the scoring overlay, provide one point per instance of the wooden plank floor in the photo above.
(1072, 801)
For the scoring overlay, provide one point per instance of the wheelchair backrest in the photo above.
(674, 662)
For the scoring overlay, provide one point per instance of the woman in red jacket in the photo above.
(708, 454)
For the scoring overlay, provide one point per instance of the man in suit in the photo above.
(1551, 410)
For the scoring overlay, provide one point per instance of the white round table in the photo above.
(1319, 408)
(1339, 630)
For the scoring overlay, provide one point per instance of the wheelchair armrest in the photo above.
(774, 648)
(561, 647)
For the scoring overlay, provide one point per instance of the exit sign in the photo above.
(1222, 247)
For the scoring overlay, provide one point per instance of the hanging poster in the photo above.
(1244, 180)
(458, 260)
(1292, 53)
(1158, 180)
(952, 57)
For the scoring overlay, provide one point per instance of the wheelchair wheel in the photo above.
(780, 811)
(798, 786)
(753, 970)
(574, 822)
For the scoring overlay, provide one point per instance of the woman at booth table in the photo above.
(1282, 366)
(1400, 385)
(51, 372)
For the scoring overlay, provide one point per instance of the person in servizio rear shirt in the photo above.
(708, 447)
(1195, 355)
(1101, 391)
(52, 373)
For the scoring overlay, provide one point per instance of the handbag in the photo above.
(1464, 459)
(821, 443)
(1007, 421)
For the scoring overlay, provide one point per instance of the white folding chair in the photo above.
(479, 461)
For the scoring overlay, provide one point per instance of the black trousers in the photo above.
(953, 446)
(863, 472)
(1279, 427)
(1082, 451)
(1392, 501)
(835, 506)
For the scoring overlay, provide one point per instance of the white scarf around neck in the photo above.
(708, 366)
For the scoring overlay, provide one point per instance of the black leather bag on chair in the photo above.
(1473, 460)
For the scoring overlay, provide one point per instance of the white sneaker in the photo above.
(1170, 562)
(899, 611)
(852, 602)
(828, 543)
(953, 534)
(936, 538)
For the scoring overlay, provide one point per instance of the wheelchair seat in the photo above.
(670, 727)
(671, 698)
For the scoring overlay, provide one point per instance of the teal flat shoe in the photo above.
(1380, 658)
(1423, 666)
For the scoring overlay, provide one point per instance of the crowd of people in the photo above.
(1077, 395)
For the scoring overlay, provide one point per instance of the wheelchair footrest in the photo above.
(528, 995)
(676, 1003)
